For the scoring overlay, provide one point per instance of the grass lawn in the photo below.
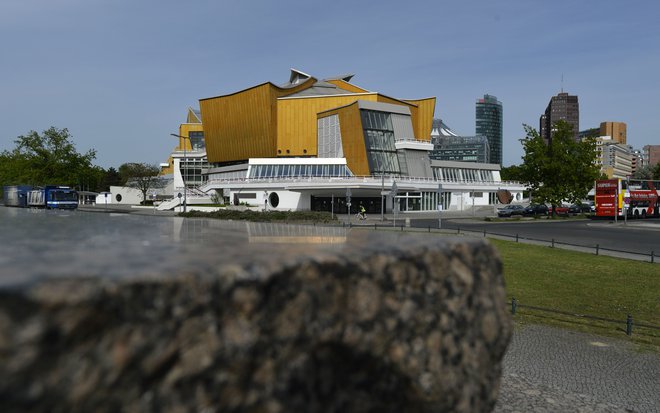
(583, 284)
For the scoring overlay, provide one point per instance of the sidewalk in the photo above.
(548, 369)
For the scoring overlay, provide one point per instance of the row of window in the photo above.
(329, 138)
(278, 171)
(192, 170)
(379, 142)
(463, 174)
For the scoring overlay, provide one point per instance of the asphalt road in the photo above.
(641, 236)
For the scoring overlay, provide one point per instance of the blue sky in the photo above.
(120, 74)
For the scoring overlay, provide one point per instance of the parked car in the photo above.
(510, 210)
(588, 207)
(535, 209)
(575, 209)
(561, 210)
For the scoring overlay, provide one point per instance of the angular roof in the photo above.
(321, 88)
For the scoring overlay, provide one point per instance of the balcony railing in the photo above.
(357, 180)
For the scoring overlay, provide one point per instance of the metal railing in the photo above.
(629, 322)
(596, 249)
(356, 180)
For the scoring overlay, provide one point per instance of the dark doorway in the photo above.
(372, 205)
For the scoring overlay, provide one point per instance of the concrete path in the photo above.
(553, 370)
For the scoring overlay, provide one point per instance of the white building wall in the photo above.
(288, 201)
(123, 195)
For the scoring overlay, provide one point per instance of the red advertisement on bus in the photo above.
(634, 197)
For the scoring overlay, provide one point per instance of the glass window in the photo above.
(196, 141)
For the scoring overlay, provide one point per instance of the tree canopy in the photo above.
(47, 158)
(141, 176)
(655, 171)
(512, 173)
(563, 170)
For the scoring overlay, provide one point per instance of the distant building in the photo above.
(589, 133)
(561, 107)
(617, 130)
(489, 123)
(637, 159)
(323, 145)
(449, 146)
(615, 159)
(651, 155)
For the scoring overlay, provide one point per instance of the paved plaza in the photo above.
(553, 370)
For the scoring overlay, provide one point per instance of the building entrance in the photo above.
(372, 205)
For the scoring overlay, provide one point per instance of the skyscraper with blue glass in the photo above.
(489, 124)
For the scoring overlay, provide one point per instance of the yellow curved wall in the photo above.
(352, 138)
(260, 122)
(297, 121)
(184, 130)
(422, 117)
(243, 125)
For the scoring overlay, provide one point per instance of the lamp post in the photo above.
(183, 175)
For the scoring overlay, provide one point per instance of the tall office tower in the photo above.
(489, 123)
(617, 130)
(561, 107)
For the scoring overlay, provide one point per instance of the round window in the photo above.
(118, 197)
(274, 199)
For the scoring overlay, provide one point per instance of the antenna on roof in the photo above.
(562, 83)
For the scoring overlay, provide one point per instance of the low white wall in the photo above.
(288, 201)
(124, 195)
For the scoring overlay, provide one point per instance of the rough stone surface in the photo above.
(548, 369)
(383, 323)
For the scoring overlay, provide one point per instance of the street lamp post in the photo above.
(183, 175)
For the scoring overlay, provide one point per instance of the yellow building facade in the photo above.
(271, 121)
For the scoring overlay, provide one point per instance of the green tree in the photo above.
(141, 176)
(111, 177)
(512, 173)
(656, 171)
(645, 172)
(563, 170)
(47, 158)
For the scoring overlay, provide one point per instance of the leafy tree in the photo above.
(645, 172)
(49, 158)
(141, 176)
(512, 173)
(656, 171)
(563, 170)
(111, 177)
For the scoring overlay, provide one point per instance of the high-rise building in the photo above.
(561, 107)
(449, 146)
(489, 123)
(617, 130)
(651, 155)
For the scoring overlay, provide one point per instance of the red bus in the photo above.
(640, 198)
